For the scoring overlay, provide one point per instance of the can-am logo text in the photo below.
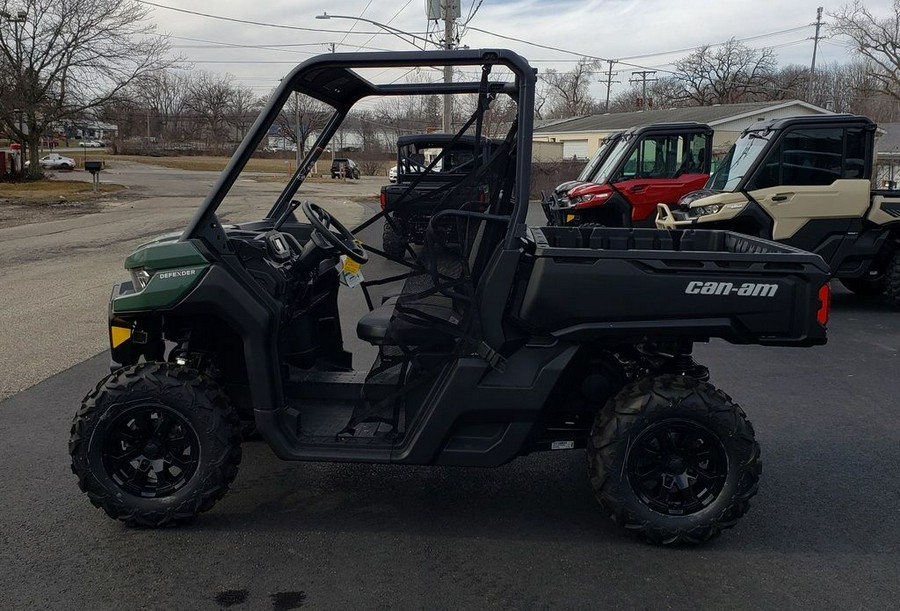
(746, 289)
(177, 274)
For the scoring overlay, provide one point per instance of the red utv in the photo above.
(642, 167)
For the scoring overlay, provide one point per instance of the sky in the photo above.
(640, 32)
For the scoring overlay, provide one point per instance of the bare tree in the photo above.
(662, 93)
(729, 73)
(300, 118)
(69, 57)
(567, 93)
(165, 94)
(876, 40)
(210, 100)
(242, 110)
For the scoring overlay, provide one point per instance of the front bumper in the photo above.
(666, 218)
(558, 211)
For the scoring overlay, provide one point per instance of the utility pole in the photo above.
(608, 81)
(812, 68)
(331, 45)
(643, 80)
(449, 13)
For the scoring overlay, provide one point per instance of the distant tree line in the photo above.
(734, 72)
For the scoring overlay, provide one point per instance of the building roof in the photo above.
(712, 115)
(889, 142)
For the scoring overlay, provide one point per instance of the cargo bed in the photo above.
(590, 283)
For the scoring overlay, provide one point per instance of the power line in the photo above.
(368, 4)
(259, 23)
(388, 22)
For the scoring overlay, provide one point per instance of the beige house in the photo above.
(581, 136)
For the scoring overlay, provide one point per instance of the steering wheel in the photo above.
(343, 241)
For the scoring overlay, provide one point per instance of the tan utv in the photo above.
(806, 182)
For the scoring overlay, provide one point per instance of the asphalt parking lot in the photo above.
(822, 533)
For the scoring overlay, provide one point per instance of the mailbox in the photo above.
(93, 166)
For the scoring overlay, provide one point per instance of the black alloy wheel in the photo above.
(677, 467)
(150, 451)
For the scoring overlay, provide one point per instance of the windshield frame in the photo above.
(758, 143)
(613, 162)
(606, 146)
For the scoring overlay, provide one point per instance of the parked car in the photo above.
(392, 174)
(344, 167)
(91, 144)
(54, 161)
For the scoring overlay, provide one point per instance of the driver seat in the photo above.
(382, 326)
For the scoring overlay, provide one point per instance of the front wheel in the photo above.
(155, 444)
(673, 459)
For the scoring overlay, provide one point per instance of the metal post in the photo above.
(446, 124)
(609, 80)
(297, 124)
(644, 74)
(812, 67)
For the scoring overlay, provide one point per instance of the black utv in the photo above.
(428, 185)
(487, 350)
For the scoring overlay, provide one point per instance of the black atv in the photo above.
(506, 340)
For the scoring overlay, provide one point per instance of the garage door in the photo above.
(575, 149)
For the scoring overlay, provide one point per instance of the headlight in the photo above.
(589, 197)
(713, 209)
(705, 210)
(140, 277)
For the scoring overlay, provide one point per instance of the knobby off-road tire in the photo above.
(393, 243)
(696, 430)
(155, 444)
(893, 279)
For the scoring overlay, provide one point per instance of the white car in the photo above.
(392, 174)
(54, 161)
(91, 144)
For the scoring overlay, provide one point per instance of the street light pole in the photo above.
(391, 30)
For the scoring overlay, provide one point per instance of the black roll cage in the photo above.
(330, 79)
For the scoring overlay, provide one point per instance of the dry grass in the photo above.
(51, 191)
(209, 164)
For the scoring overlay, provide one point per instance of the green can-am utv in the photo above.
(505, 340)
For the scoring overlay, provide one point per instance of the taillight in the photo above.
(382, 199)
(825, 304)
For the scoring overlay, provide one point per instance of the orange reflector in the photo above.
(119, 336)
(825, 301)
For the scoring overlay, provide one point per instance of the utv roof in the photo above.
(674, 126)
(437, 139)
(779, 124)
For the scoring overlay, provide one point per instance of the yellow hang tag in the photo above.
(351, 266)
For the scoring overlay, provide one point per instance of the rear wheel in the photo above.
(892, 287)
(874, 283)
(673, 459)
(155, 444)
(394, 243)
